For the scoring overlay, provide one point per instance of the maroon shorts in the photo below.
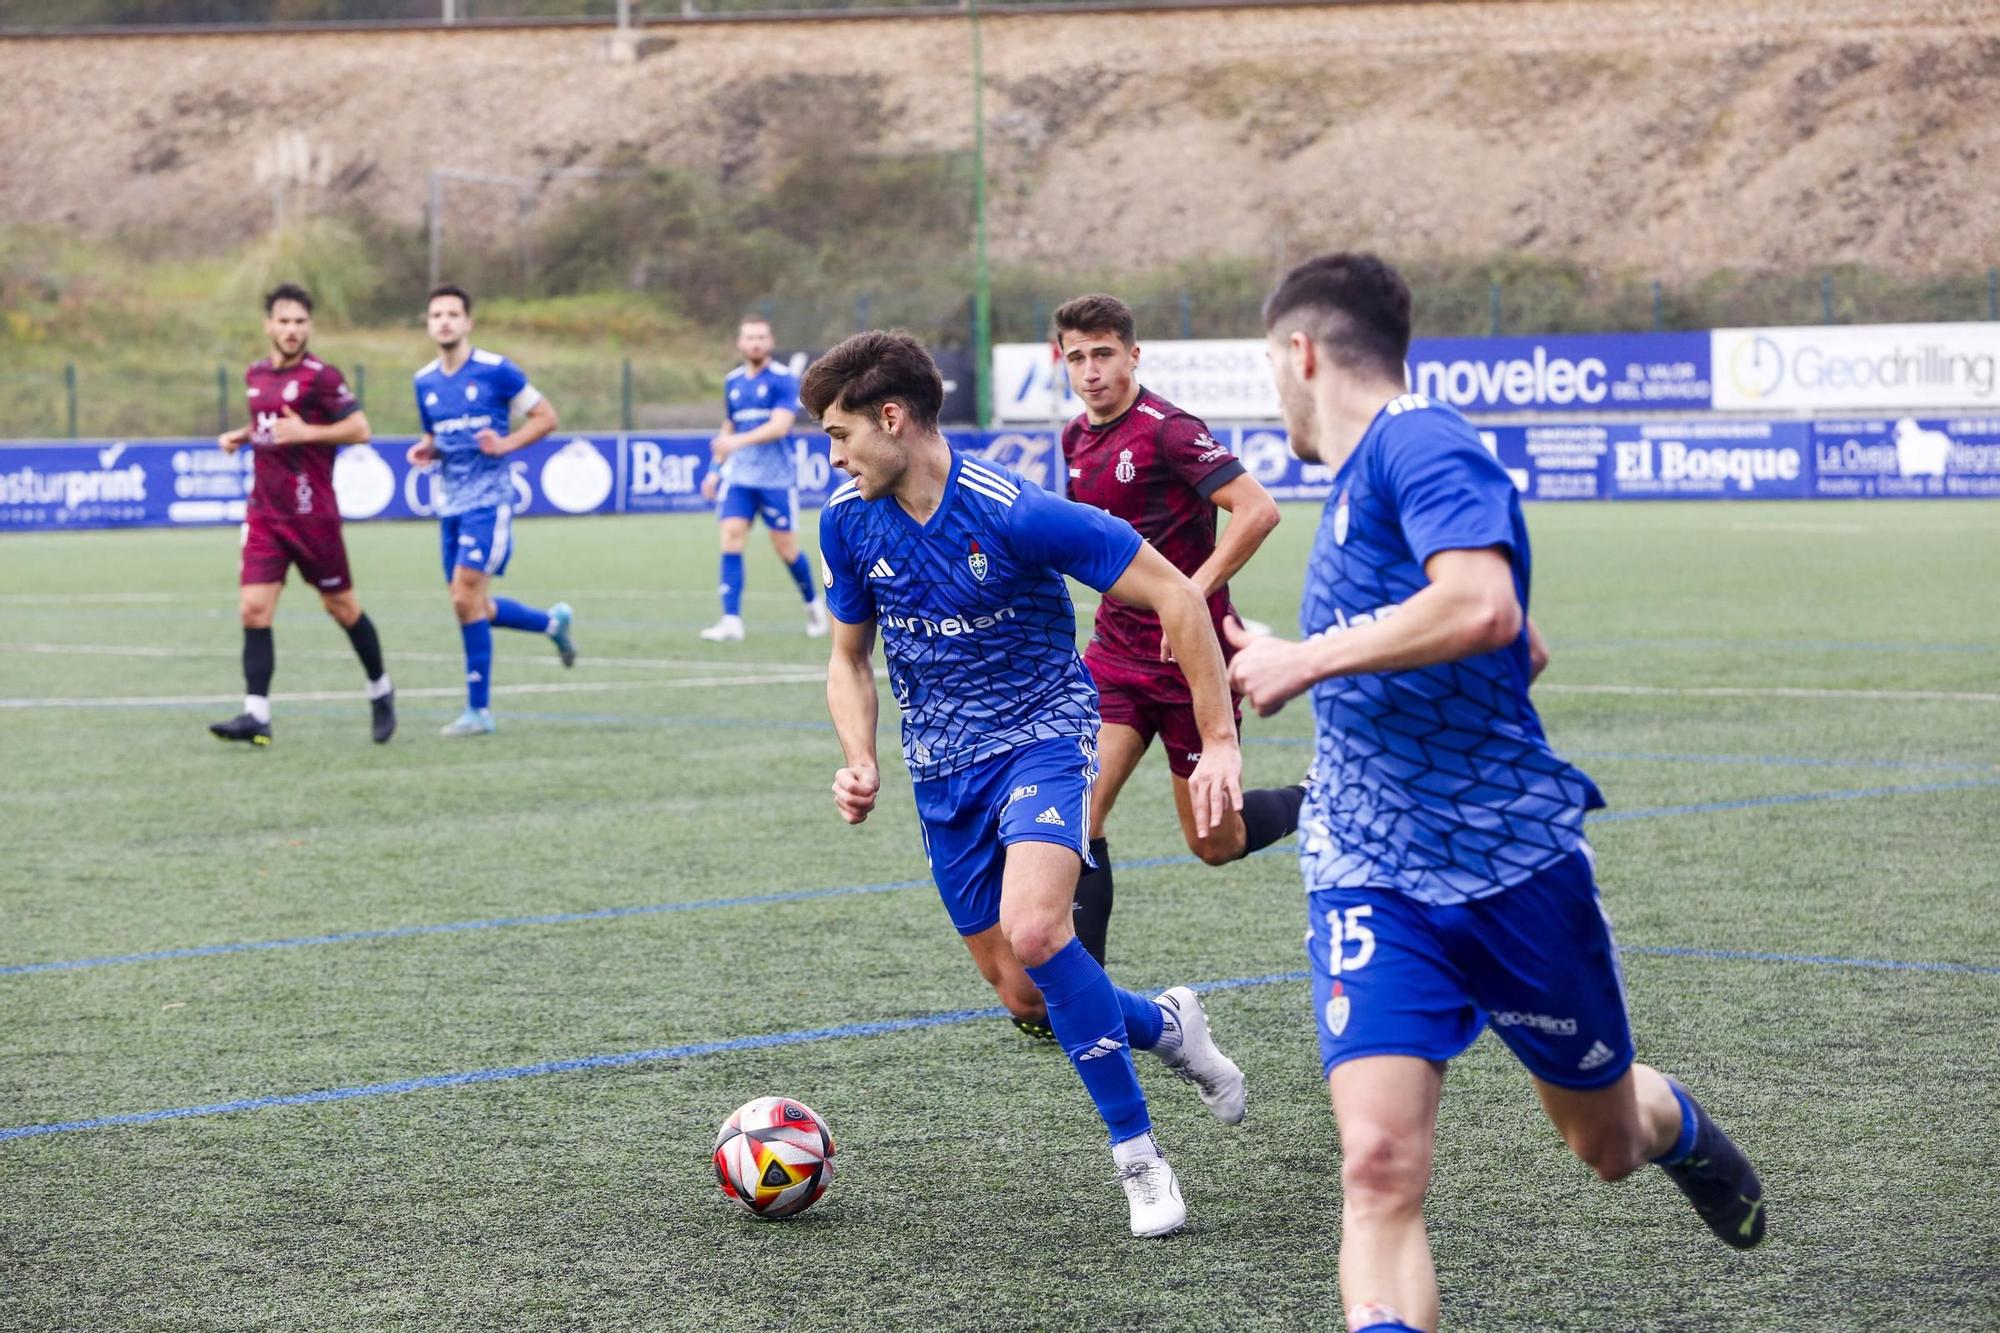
(1153, 700)
(270, 545)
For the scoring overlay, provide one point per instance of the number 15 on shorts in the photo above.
(1345, 927)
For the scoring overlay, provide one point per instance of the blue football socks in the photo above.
(478, 639)
(510, 614)
(802, 574)
(1088, 1018)
(732, 583)
(1143, 1019)
(1690, 1122)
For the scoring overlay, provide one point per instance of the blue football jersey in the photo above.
(453, 410)
(976, 620)
(750, 400)
(1437, 782)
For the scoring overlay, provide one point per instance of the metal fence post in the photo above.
(1187, 314)
(1041, 320)
(69, 390)
(1993, 292)
(1659, 307)
(221, 399)
(625, 394)
(361, 386)
(1826, 298)
(861, 310)
(1493, 308)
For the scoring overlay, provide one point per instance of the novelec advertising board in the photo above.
(1229, 379)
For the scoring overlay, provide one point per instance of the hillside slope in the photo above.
(1609, 132)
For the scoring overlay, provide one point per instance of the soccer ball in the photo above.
(774, 1156)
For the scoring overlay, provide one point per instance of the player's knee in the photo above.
(1219, 848)
(468, 603)
(1035, 940)
(1381, 1171)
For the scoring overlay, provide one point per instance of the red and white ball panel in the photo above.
(774, 1156)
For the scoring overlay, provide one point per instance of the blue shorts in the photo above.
(777, 505)
(1535, 962)
(478, 539)
(1038, 792)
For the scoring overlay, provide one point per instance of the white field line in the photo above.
(1778, 692)
(437, 692)
(331, 655)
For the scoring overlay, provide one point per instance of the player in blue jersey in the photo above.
(757, 473)
(467, 399)
(961, 564)
(1442, 844)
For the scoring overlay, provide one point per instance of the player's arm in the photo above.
(851, 698)
(537, 421)
(1538, 651)
(1468, 608)
(776, 427)
(232, 440)
(423, 453)
(1152, 582)
(1253, 514)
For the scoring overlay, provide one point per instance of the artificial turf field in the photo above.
(651, 914)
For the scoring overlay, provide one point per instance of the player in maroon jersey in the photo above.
(1140, 457)
(301, 412)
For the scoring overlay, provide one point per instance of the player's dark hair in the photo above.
(449, 289)
(1096, 313)
(1354, 306)
(869, 369)
(287, 291)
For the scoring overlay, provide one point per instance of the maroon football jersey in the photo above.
(295, 480)
(1155, 467)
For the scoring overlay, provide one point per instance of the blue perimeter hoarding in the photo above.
(164, 483)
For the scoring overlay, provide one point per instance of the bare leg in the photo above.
(1386, 1107)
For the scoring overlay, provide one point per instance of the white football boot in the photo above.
(729, 629)
(1196, 1058)
(816, 626)
(1151, 1187)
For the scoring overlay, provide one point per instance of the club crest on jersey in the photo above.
(1336, 1011)
(1340, 519)
(291, 391)
(975, 560)
(1125, 471)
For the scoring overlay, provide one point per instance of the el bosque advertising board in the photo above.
(191, 482)
(1230, 379)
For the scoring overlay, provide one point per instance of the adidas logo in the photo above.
(1595, 1056)
(881, 570)
(1105, 1046)
(1049, 816)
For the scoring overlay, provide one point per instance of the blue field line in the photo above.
(1742, 760)
(1806, 645)
(1801, 798)
(1807, 959)
(800, 1037)
(849, 890)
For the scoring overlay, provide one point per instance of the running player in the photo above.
(301, 411)
(962, 565)
(1442, 845)
(1136, 455)
(757, 473)
(466, 400)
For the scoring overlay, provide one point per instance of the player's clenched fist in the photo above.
(854, 791)
(1267, 671)
(1216, 785)
(422, 454)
